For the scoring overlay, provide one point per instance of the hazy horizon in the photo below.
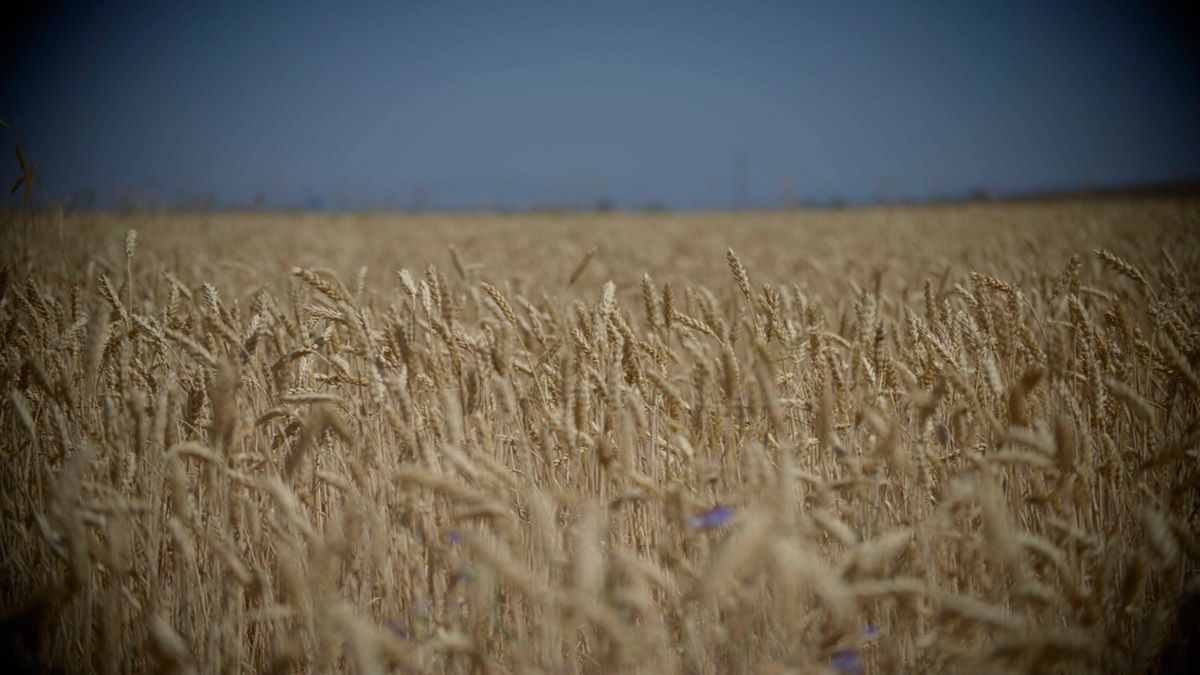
(567, 105)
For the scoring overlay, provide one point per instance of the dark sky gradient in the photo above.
(519, 104)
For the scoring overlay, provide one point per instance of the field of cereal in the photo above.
(926, 439)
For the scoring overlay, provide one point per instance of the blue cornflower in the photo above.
(715, 517)
(847, 661)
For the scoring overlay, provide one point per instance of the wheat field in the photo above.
(923, 439)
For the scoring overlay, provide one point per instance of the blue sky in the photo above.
(526, 104)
